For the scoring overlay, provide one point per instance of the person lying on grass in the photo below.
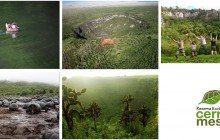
(180, 49)
(203, 43)
(213, 44)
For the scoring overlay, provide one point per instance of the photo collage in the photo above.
(87, 69)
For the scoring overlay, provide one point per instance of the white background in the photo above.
(181, 89)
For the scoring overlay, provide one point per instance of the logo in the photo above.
(208, 111)
(211, 97)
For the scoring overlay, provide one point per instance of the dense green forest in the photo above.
(106, 96)
(183, 23)
(21, 88)
(135, 44)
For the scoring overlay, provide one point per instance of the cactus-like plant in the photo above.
(128, 115)
(70, 98)
(94, 111)
(144, 115)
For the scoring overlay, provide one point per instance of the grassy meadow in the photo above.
(198, 59)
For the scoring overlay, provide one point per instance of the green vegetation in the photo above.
(135, 47)
(70, 99)
(175, 28)
(8, 88)
(112, 107)
(198, 59)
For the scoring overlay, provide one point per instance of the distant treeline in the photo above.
(8, 88)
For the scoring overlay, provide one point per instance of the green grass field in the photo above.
(198, 59)
(134, 48)
(107, 92)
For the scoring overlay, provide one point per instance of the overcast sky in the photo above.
(192, 4)
(45, 76)
(95, 3)
(107, 73)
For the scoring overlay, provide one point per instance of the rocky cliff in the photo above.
(187, 14)
(84, 30)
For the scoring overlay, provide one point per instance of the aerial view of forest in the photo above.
(110, 35)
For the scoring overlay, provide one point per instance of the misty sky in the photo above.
(107, 73)
(45, 76)
(93, 3)
(191, 4)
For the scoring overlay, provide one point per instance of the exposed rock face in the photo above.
(195, 13)
(205, 15)
(83, 30)
(180, 15)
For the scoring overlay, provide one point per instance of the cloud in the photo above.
(80, 4)
(107, 73)
(45, 76)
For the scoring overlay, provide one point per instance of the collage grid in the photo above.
(109, 69)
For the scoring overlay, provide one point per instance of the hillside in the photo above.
(8, 88)
(134, 30)
(115, 88)
(108, 92)
(183, 23)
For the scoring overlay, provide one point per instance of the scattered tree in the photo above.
(128, 115)
(94, 111)
(144, 115)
